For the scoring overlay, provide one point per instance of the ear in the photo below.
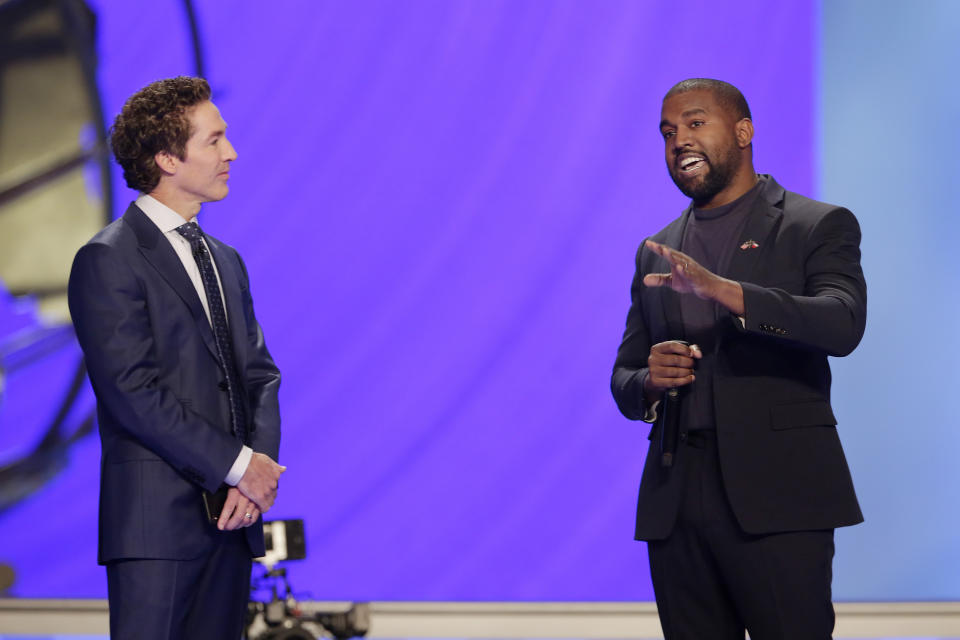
(744, 132)
(166, 161)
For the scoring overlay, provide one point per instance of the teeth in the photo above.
(688, 161)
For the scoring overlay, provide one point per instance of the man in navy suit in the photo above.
(186, 389)
(735, 307)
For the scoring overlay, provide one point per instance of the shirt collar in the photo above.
(160, 214)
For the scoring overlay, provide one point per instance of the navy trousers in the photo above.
(204, 598)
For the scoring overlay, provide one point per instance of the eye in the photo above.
(668, 134)
(697, 123)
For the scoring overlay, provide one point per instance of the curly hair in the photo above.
(154, 119)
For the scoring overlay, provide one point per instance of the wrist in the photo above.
(728, 294)
(650, 393)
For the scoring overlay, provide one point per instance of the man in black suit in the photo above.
(735, 307)
(186, 390)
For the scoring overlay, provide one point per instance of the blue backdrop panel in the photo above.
(439, 205)
(888, 102)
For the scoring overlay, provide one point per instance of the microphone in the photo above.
(671, 426)
(671, 422)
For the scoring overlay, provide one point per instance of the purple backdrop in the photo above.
(439, 204)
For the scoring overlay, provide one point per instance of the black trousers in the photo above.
(201, 599)
(713, 581)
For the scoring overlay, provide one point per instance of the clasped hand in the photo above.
(253, 495)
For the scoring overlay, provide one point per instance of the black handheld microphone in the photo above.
(671, 422)
(671, 426)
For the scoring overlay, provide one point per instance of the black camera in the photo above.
(280, 616)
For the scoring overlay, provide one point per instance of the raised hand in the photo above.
(688, 276)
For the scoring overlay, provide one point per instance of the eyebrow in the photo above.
(685, 114)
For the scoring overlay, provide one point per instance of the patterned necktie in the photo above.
(218, 318)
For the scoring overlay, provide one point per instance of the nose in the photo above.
(229, 153)
(682, 139)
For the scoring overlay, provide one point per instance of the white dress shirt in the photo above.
(167, 220)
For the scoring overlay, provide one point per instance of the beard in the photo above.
(715, 179)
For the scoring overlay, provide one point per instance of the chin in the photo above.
(691, 188)
(218, 195)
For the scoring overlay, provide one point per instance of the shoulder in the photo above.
(113, 240)
(802, 211)
(802, 207)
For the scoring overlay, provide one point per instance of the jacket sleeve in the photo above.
(108, 305)
(262, 379)
(831, 313)
(630, 368)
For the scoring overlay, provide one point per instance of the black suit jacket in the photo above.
(805, 298)
(164, 418)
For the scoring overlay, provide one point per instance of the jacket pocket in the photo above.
(815, 413)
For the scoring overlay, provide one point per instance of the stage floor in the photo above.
(88, 620)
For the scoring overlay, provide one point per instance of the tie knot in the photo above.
(191, 231)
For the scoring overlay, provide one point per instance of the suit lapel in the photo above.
(767, 210)
(158, 252)
(671, 299)
(233, 300)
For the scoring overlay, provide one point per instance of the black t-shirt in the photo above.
(710, 237)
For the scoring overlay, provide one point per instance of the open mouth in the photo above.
(689, 164)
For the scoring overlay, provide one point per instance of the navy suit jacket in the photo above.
(805, 299)
(163, 413)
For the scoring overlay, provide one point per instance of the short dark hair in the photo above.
(154, 119)
(725, 93)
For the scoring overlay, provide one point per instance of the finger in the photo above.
(671, 360)
(671, 347)
(671, 372)
(266, 504)
(263, 502)
(250, 515)
(671, 382)
(660, 353)
(675, 257)
(229, 506)
(253, 517)
(657, 279)
(239, 517)
(262, 499)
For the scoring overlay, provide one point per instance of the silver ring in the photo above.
(247, 516)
